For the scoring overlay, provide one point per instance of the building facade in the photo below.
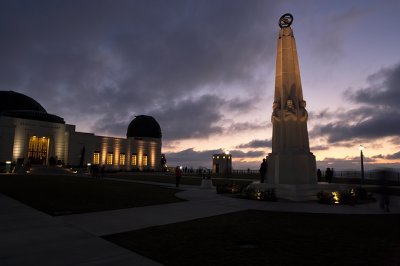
(29, 134)
(222, 164)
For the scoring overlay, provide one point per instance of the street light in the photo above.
(362, 163)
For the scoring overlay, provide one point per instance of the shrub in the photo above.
(347, 197)
(260, 194)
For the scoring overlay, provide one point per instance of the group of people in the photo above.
(95, 169)
(328, 175)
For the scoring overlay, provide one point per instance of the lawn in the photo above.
(58, 195)
(185, 180)
(157, 177)
(270, 238)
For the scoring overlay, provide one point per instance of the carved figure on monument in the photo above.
(276, 112)
(290, 112)
(303, 114)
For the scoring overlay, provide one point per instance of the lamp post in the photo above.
(362, 163)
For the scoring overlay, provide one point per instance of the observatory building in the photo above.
(29, 134)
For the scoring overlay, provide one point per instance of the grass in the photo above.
(270, 238)
(185, 180)
(57, 195)
(161, 178)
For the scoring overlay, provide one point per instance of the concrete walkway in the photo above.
(30, 237)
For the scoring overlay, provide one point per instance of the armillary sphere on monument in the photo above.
(286, 20)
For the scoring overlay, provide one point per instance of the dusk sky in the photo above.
(205, 71)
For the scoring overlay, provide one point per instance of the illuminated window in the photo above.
(144, 160)
(96, 157)
(37, 149)
(109, 159)
(122, 159)
(134, 159)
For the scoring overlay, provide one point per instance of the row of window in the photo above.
(223, 157)
(122, 160)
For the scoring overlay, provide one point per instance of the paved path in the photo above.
(30, 237)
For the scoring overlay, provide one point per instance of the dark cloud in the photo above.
(188, 118)
(331, 37)
(393, 156)
(95, 60)
(235, 127)
(319, 148)
(256, 143)
(190, 157)
(379, 115)
(238, 154)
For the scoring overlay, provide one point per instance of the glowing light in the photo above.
(226, 152)
(144, 160)
(109, 159)
(104, 146)
(361, 148)
(8, 162)
(96, 158)
(134, 160)
(89, 164)
(336, 197)
(122, 159)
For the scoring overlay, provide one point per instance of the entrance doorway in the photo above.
(38, 150)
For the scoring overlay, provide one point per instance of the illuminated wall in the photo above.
(24, 129)
(150, 147)
(67, 145)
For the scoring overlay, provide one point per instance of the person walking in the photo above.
(178, 175)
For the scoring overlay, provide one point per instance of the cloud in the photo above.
(256, 143)
(180, 119)
(319, 148)
(190, 157)
(238, 154)
(89, 61)
(393, 156)
(247, 126)
(377, 117)
(331, 37)
(383, 89)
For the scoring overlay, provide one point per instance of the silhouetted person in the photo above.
(178, 175)
(263, 170)
(163, 163)
(319, 175)
(384, 191)
(328, 175)
(102, 171)
(95, 170)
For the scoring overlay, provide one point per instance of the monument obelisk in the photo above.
(291, 163)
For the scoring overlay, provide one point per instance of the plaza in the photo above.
(30, 236)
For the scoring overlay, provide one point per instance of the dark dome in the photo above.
(144, 126)
(18, 105)
(10, 101)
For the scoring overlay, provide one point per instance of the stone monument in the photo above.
(291, 165)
